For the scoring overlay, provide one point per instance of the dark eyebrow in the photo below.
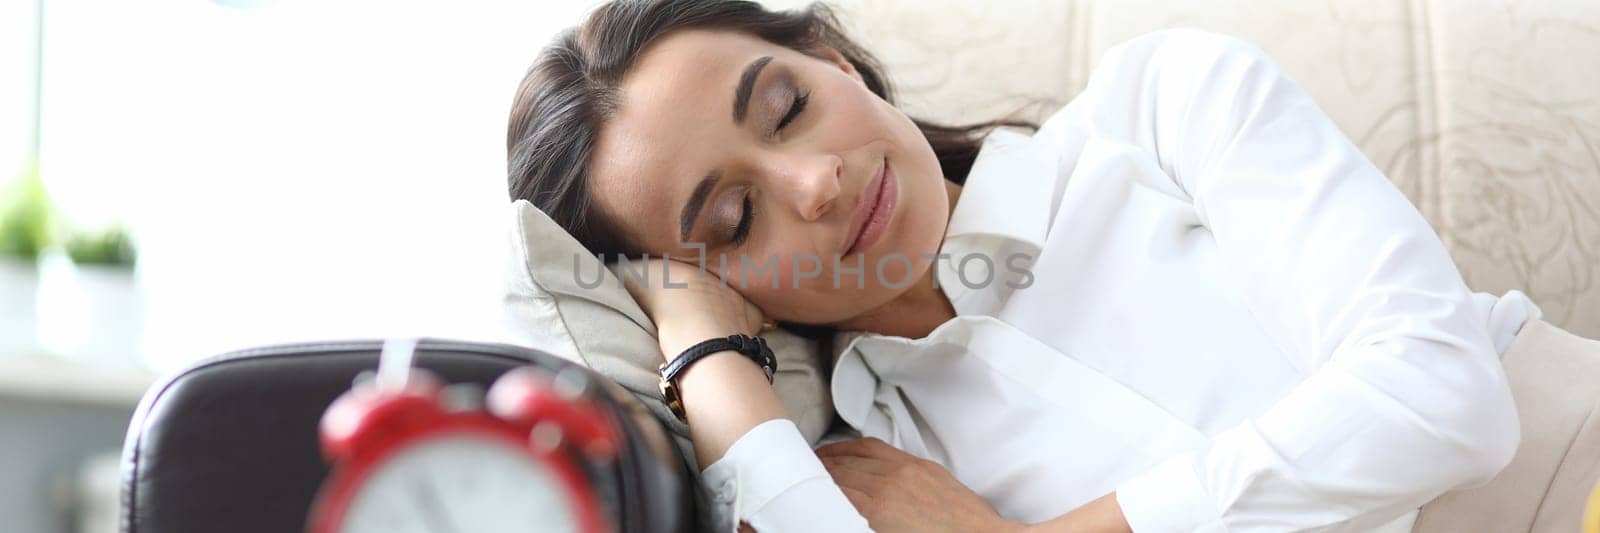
(697, 200)
(747, 83)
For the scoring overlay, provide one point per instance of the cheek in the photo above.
(854, 116)
(803, 290)
(926, 204)
(766, 282)
(755, 271)
(795, 286)
(928, 217)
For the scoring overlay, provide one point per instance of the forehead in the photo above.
(674, 110)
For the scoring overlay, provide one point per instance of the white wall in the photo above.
(302, 170)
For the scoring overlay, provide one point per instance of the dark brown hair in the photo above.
(572, 89)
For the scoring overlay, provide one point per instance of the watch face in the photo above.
(460, 484)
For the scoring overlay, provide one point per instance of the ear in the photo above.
(832, 56)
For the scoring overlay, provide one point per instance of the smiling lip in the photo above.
(875, 210)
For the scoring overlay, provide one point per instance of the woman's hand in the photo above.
(688, 304)
(724, 394)
(897, 491)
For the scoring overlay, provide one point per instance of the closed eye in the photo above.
(741, 232)
(795, 107)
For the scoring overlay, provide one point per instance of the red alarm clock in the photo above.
(409, 455)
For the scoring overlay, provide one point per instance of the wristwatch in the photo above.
(754, 348)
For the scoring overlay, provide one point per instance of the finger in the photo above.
(864, 447)
(861, 480)
(754, 316)
(688, 257)
(857, 447)
(870, 465)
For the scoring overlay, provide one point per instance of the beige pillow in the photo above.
(547, 308)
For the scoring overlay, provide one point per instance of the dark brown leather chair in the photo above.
(230, 444)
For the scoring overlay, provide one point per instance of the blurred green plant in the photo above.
(31, 224)
(28, 220)
(109, 247)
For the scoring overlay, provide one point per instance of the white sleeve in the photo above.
(771, 479)
(1405, 397)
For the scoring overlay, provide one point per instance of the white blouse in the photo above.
(1228, 316)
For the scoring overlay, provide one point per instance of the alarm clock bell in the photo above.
(413, 454)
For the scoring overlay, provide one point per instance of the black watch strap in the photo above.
(754, 348)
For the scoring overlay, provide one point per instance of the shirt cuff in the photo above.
(772, 479)
(1169, 497)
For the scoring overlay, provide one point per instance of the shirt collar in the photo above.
(1005, 210)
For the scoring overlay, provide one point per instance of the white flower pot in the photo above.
(116, 314)
(19, 282)
(90, 313)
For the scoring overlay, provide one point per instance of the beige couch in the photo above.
(1485, 112)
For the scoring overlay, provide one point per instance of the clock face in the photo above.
(460, 484)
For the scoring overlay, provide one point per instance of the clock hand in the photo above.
(433, 510)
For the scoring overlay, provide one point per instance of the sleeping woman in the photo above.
(1184, 302)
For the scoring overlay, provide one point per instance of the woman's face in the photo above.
(780, 162)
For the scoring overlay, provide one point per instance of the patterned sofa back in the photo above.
(1484, 112)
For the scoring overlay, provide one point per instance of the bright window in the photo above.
(293, 170)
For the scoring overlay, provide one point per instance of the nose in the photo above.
(815, 184)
